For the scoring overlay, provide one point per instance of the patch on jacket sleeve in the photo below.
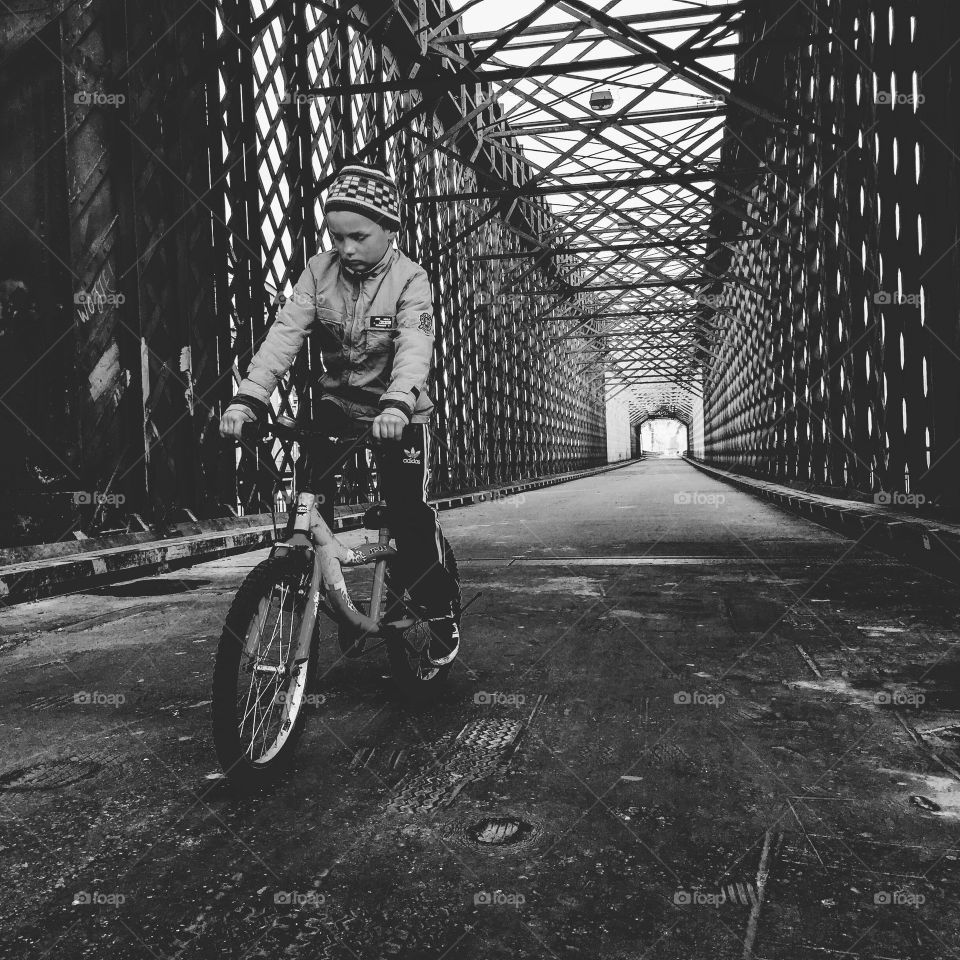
(426, 322)
(382, 323)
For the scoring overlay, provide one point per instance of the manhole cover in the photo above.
(50, 774)
(500, 831)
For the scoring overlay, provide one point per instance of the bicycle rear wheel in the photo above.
(259, 690)
(415, 677)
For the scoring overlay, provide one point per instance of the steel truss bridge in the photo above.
(739, 215)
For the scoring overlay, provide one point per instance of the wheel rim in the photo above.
(271, 687)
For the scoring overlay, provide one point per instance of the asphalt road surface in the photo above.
(683, 725)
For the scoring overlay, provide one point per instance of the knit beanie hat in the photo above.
(360, 188)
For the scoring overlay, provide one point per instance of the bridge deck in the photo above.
(731, 731)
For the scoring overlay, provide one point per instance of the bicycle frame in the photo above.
(327, 586)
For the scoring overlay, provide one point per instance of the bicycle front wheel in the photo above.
(259, 688)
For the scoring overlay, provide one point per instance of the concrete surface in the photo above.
(45, 569)
(731, 731)
(897, 528)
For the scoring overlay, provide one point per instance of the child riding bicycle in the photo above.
(368, 308)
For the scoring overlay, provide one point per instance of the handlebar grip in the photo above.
(251, 430)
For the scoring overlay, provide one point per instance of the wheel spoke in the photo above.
(274, 636)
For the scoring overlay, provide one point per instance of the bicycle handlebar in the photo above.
(288, 428)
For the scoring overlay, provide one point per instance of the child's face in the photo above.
(360, 242)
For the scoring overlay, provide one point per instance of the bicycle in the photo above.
(267, 657)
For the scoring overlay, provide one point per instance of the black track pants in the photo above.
(427, 564)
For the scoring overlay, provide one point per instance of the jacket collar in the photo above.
(378, 268)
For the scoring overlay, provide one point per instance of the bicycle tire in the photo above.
(241, 763)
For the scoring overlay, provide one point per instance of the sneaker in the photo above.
(444, 641)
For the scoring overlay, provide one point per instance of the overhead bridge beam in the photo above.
(655, 333)
(628, 314)
(657, 179)
(636, 284)
(569, 26)
(589, 123)
(456, 81)
(604, 248)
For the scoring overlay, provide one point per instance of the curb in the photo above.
(34, 579)
(929, 543)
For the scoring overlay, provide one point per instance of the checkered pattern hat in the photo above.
(367, 190)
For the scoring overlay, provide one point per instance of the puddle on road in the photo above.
(576, 586)
(150, 587)
(638, 615)
(943, 791)
(837, 686)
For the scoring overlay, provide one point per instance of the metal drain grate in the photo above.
(665, 754)
(500, 831)
(476, 753)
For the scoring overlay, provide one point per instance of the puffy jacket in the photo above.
(374, 331)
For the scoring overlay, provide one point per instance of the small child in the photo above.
(368, 308)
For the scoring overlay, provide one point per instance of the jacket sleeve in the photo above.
(282, 343)
(413, 351)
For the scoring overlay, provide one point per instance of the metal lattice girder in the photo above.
(670, 144)
(324, 85)
(846, 373)
(116, 255)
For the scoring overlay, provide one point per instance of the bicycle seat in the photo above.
(376, 517)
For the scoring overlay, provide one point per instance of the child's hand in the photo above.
(233, 419)
(389, 425)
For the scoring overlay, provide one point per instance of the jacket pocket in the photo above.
(379, 343)
(329, 332)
